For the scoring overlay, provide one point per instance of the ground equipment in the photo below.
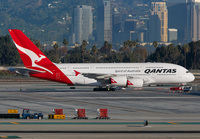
(27, 115)
(80, 114)
(181, 88)
(12, 113)
(102, 114)
(57, 114)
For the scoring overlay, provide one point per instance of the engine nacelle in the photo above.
(118, 81)
(137, 83)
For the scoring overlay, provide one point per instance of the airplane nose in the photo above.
(192, 78)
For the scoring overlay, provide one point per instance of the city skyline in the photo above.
(111, 30)
(114, 21)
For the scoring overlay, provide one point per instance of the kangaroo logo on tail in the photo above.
(34, 58)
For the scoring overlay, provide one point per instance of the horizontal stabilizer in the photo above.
(24, 71)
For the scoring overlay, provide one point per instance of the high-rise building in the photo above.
(172, 33)
(82, 24)
(193, 20)
(104, 23)
(129, 32)
(130, 25)
(177, 13)
(158, 22)
(117, 23)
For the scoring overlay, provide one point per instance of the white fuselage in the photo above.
(150, 73)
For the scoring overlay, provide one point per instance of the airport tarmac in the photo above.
(170, 115)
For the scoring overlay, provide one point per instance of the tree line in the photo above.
(187, 55)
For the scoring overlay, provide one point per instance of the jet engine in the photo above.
(135, 83)
(118, 81)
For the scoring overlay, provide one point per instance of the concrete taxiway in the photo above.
(170, 115)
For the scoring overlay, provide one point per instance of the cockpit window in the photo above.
(187, 72)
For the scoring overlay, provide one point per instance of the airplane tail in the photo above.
(35, 60)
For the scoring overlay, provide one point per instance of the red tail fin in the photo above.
(34, 59)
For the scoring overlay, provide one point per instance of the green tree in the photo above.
(94, 51)
(126, 45)
(83, 46)
(106, 44)
(173, 54)
(8, 52)
(109, 49)
(65, 42)
(55, 46)
(155, 44)
(134, 44)
(38, 44)
(75, 55)
(105, 48)
(140, 54)
(195, 49)
(186, 50)
(130, 44)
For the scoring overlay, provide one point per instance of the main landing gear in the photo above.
(104, 89)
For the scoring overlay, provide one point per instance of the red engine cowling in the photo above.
(137, 83)
(118, 81)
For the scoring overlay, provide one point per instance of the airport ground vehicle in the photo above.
(181, 88)
(27, 115)
(57, 114)
(187, 88)
(109, 75)
(176, 88)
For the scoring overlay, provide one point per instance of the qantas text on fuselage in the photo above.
(160, 71)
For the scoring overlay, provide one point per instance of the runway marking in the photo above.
(173, 123)
(14, 123)
(126, 97)
(100, 123)
(108, 131)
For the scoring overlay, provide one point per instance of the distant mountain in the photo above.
(49, 20)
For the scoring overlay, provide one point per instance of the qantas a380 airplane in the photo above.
(107, 75)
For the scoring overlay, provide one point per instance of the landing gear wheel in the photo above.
(40, 118)
(112, 89)
(104, 89)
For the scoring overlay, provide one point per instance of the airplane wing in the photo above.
(98, 76)
(103, 77)
(24, 71)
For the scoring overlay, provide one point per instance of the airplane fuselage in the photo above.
(151, 73)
